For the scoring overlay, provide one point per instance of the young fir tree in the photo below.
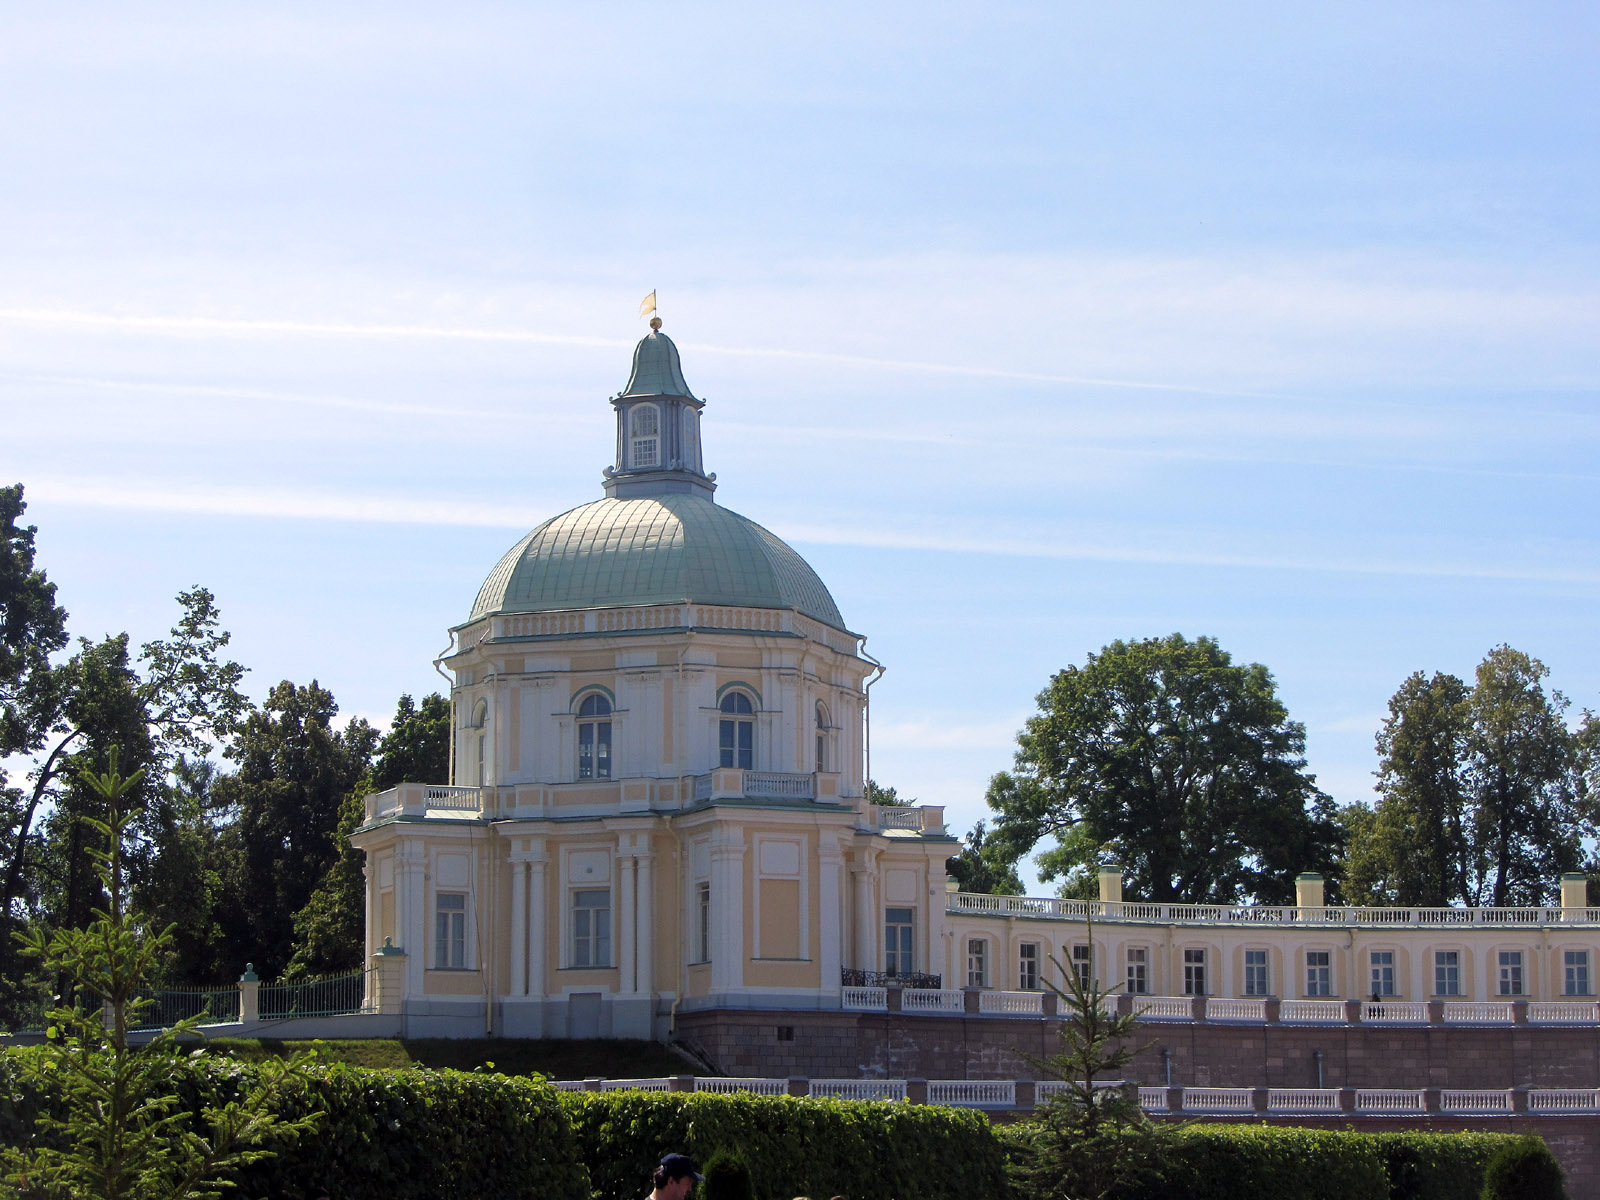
(120, 1134)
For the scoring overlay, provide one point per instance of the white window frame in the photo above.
(449, 931)
(1575, 973)
(1319, 974)
(1509, 977)
(901, 958)
(599, 946)
(733, 721)
(978, 962)
(1385, 985)
(1194, 971)
(1082, 959)
(702, 902)
(599, 724)
(822, 737)
(1258, 974)
(1447, 972)
(1138, 963)
(1028, 967)
(644, 447)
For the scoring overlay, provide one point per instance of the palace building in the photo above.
(657, 824)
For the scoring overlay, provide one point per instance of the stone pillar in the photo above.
(644, 927)
(969, 1000)
(1110, 884)
(830, 914)
(799, 1085)
(1519, 1012)
(1258, 1100)
(390, 961)
(917, 1091)
(1027, 1095)
(1574, 895)
(680, 1083)
(1272, 1008)
(410, 918)
(250, 996)
(519, 927)
(538, 952)
(1197, 1008)
(727, 914)
(628, 902)
(1050, 1005)
(866, 915)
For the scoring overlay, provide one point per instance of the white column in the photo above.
(627, 902)
(866, 917)
(727, 916)
(644, 929)
(519, 926)
(829, 913)
(409, 862)
(536, 921)
(369, 879)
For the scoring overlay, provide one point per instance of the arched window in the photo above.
(594, 737)
(736, 735)
(822, 736)
(644, 436)
(480, 722)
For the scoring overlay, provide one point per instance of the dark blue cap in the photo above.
(678, 1165)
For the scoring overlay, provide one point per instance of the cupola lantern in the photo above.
(658, 427)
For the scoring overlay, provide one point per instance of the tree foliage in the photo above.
(1184, 767)
(417, 747)
(985, 865)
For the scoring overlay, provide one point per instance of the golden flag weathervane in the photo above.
(647, 305)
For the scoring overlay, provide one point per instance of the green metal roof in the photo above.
(653, 550)
(656, 369)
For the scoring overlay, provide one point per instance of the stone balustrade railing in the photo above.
(1127, 911)
(1026, 1094)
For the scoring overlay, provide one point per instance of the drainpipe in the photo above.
(1316, 1056)
(866, 706)
(450, 690)
(1166, 1064)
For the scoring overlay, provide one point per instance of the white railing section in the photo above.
(456, 799)
(931, 1000)
(864, 999)
(1394, 1012)
(1399, 1102)
(859, 1089)
(779, 785)
(1021, 1004)
(1153, 1099)
(1477, 1012)
(973, 1093)
(1474, 1100)
(761, 1087)
(567, 1085)
(1311, 1012)
(1222, 1008)
(1303, 1100)
(1564, 1100)
(635, 1085)
(1163, 1008)
(1561, 1012)
(1218, 1100)
(899, 818)
(1263, 914)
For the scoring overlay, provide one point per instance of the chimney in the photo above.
(1308, 890)
(1111, 884)
(1574, 890)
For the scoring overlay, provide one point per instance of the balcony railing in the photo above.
(1137, 912)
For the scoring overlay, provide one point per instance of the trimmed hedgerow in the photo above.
(403, 1135)
(1524, 1169)
(862, 1149)
(1437, 1166)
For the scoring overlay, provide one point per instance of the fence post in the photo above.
(680, 1083)
(799, 1085)
(249, 996)
(917, 1091)
(1027, 1095)
(391, 964)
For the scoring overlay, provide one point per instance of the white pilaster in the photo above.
(829, 913)
(410, 917)
(627, 903)
(519, 925)
(537, 919)
(866, 913)
(727, 915)
(644, 928)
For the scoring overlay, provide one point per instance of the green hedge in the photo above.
(1437, 1166)
(860, 1149)
(403, 1135)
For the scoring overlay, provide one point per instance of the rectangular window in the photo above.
(1383, 974)
(591, 928)
(1576, 963)
(1083, 965)
(703, 922)
(977, 962)
(594, 750)
(1194, 972)
(1256, 980)
(1511, 973)
(450, 930)
(1028, 966)
(736, 744)
(898, 924)
(1447, 973)
(1138, 971)
(1319, 973)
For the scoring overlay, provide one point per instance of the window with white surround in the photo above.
(1576, 966)
(977, 962)
(1511, 973)
(898, 924)
(1257, 981)
(644, 436)
(1138, 971)
(1082, 963)
(1383, 974)
(1447, 973)
(450, 930)
(736, 732)
(594, 737)
(1319, 972)
(591, 927)
(702, 911)
(822, 736)
(1028, 966)
(1194, 972)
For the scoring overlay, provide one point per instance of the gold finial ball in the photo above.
(655, 322)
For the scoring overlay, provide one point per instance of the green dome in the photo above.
(653, 550)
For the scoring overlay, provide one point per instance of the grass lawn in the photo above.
(557, 1059)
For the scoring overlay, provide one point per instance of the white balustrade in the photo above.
(859, 1089)
(973, 1093)
(1384, 1102)
(1222, 1008)
(1162, 1008)
(567, 1085)
(1474, 1100)
(1564, 1100)
(761, 1087)
(636, 1085)
(1011, 1004)
(1561, 1012)
(1311, 1012)
(779, 785)
(1394, 1012)
(899, 818)
(1218, 1100)
(864, 999)
(1303, 1100)
(454, 799)
(1153, 1099)
(1477, 1012)
(932, 1000)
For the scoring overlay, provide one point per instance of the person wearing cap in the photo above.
(675, 1177)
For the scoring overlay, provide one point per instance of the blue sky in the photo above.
(1030, 326)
